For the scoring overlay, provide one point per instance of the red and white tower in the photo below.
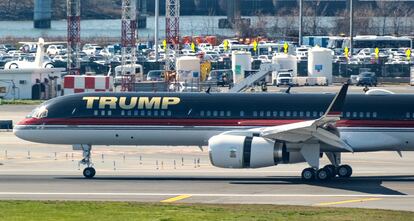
(73, 19)
(128, 43)
(172, 32)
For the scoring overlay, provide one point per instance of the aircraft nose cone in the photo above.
(18, 132)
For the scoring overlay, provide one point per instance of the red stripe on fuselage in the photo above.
(205, 122)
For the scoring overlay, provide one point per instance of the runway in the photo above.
(387, 192)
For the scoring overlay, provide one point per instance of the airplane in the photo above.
(40, 60)
(241, 130)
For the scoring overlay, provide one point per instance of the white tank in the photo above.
(286, 61)
(241, 61)
(188, 68)
(320, 63)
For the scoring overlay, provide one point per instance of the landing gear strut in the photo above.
(89, 172)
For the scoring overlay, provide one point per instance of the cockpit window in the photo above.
(39, 112)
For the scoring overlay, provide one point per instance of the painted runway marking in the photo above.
(347, 201)
(174, 199)
(196, 194)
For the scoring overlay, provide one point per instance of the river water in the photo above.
(189, 25)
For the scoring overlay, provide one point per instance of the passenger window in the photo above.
(155, 113)
(228, 113)
(374, 115)
(162, 113)
(407, 115)
(274, 113)
(348, 114)
(295, 114)
(287, 113)
(368, 114)
(282, 113)
(208, 113)
(241, 113)
(142, 113)
(262, 113)
(135, 113)
(129, 113)
(109, 113)
(308, 114)
(202, 113)
(149, 113)
(301, 114)
(221, 113)
(215, 113)
(254, 113)
(354, 114)
(315, 114)
(320, 114)
(268, 114)
(95, 113)
(169, 113)
(122, 113)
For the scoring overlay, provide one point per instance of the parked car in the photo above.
(7, 47)
(155, 75)
(367, 79)
(92, 49)
(55, 50)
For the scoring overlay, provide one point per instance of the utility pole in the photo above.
(73, 36)
(157, 13)
(300, 22)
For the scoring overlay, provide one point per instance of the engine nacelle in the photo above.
(232, 151)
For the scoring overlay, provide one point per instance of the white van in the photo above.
(136, 69)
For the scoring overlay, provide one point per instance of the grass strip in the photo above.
(91, 210)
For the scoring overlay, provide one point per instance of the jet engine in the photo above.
(234, 151)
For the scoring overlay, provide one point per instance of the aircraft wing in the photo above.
(313, 129)
(308, 131)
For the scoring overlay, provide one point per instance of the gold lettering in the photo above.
(90, 101)
(147, 103)
(166, 101)
(110, 101)
(131, 105)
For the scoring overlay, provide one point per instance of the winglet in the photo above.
(335, 108)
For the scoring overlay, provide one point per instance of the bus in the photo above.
(382, 42)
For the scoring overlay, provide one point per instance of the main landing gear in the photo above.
(89, 172)
(326, 173)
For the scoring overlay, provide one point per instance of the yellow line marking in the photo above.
(174, 199)
(348, 201)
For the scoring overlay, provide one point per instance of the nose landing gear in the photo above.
(89, 172)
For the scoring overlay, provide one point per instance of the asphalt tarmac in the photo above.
(185, 175)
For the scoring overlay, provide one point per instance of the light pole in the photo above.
(300, 22)
(157, 12)
(351, 28)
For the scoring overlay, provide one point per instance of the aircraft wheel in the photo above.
(89, 172)
(308, 174)
(344, 171)
(13, 66)
(49, 66)
(332, 169)
(323, 174)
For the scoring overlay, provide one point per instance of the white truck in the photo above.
(283, 78)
